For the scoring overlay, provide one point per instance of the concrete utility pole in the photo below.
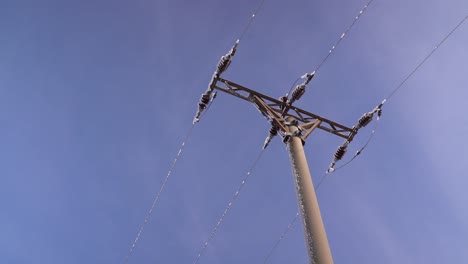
(314, 231)
(294, 125)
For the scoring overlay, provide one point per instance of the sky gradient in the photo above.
(97, 96)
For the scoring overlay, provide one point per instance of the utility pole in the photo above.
(314, 231)
(294, 125)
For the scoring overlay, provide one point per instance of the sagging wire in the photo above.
(362, 122)
(359, 151)
(228, 208)
(379, 112)
(293, 85)
(158, 195)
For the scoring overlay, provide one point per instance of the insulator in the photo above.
(273, 131)
(224, 63)
(379, 112)
(205, 99)
(340, 152)
(271, 134)
(201, 106)
(365, 119)
(298, 92)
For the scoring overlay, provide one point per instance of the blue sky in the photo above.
(96, 97)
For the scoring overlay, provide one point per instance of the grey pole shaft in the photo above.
(314, 231)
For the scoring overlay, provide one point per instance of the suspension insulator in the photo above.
(223, 63)
(201, 106)
(365, 119)
(271, 134)
(340, 152)
(273, 131)
(205, 99)
(298, 92)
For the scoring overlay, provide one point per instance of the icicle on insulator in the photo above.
(365, 120)
(298, 92)
(340, 152)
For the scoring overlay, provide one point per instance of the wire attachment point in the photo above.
(272, 133)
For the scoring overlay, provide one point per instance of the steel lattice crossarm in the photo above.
(273, 110)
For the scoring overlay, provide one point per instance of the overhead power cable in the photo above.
(209, 95)
(356, 18)
(228, 208)
(286, 231)
(249, 24)
(366, 118)
(426, 58)
(332, 49)
(158, 195)
(372, 133)
(163, 185)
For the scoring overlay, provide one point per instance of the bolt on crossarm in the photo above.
(294, 125)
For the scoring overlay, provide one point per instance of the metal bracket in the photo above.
(273, 110)
(309, 127)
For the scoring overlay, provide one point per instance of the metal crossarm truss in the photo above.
(273, 110)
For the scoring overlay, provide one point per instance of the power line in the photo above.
(366, 118)
(332, 49)
(228, 207)
(222, 66)
(372, 134)
(426, 58)
(343, 35)
(361, 149)
(249, 24)
(286, 231)
(158, 195)
(163, 185)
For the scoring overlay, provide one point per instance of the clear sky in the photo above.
(96, 97)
